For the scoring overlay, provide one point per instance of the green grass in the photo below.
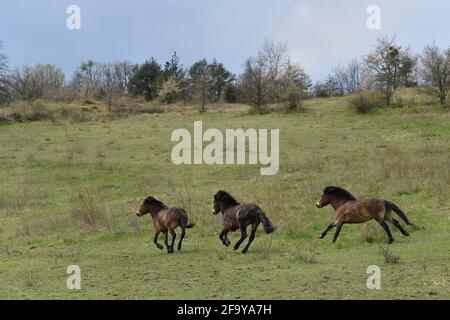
(47, 169)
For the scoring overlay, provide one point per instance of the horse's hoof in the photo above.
(244, 251)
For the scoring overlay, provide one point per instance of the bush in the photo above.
(293, 96)
(230, 93)
(89, 213)
(30, 111)
(365, 102)
(170, 91)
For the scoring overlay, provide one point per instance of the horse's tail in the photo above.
(392, 206)
(268, 227)
(184, 221)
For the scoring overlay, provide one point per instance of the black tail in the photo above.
(392, 206)
(268, 227)
(184, 222)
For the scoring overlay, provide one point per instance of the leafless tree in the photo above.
(87, 79)
(124, 71)
(436, 71)
(295, 83)
(200, 81)
(265, 74)
(111, 83)
(386, 63)
(4, 83)
(276, 57)
(40, 81)
(255, 81)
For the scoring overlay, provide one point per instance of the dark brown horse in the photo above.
(350, 210)
(165, 220)
(236, 216)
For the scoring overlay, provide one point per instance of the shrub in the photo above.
(30, 111)
(388, 256)
(365, 102)
(89, 213)
(169, 92)
(293, 96)
(230, 93)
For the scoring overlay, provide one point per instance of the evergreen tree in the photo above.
(147, 80)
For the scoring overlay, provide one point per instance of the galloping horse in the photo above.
(165, 220)
(239, 216)
(349, 210)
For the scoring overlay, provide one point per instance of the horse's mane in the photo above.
(339, 192)
(151, 200)
(226, 197)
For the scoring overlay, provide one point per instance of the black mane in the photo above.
(151, 200)
(339, 192)
(226, 197)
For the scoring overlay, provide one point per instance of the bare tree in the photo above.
(124, 71)
(255, 81)
(436, 71)
(111, 83)
(385, 63)
(40, 81)
(295, 84)
(200, 78)
(276, 57)
(87, 79)
(4, 87)
(349, 79)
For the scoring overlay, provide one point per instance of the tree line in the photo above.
(270, 76)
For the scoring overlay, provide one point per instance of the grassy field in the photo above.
(68, 192)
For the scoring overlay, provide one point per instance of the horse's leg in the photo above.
(252, 237)
(338, 230)
(243, 237)
(223, 237)
(174, 236)
(386, 228)
(183, 233)
(398, 225)
(155, 240)
(166, 239)
(331, 226)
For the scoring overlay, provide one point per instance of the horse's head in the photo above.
(150, 204)
(222, 200)
(336, 193)
(324, 200)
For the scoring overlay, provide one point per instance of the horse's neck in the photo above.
(227, 206)
(337, 203)
(155, 210)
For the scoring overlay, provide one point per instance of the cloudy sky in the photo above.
(320, 34)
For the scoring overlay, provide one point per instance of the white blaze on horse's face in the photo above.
(318, 204)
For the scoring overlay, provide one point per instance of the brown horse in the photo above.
(349, 210)
(236, 216)
(165, 220)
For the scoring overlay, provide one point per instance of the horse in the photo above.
(165, 220)
(236, 216)
(349, 210)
